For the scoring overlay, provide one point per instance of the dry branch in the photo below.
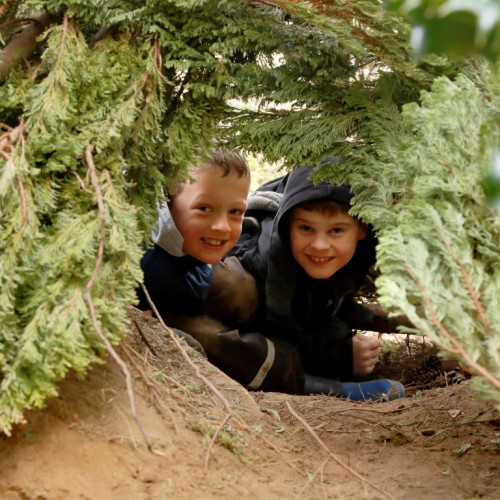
(196, 369)
(24, 44)
(332, 455)
(88, 295)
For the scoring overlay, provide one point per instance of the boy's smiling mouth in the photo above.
(319, 260)
(213, 243)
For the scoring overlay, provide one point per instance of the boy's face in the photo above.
(209, 212)
(322, 243)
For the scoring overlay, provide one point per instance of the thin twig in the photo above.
(147, 381)
(332, 455)
(80, 181)
(185, 355)
(459, 347)
(309, 479)
(193, 365)
(214, 438)
(100, 252)
(143, 337)
(22, 195)
(357, 410)
(468, 284)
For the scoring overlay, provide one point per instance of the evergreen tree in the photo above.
(103, 104)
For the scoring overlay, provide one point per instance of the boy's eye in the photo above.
(305, 228)
(204, 208)
(236, 211)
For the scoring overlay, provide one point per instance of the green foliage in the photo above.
(139, 90)
(438, 240)
(460, 28)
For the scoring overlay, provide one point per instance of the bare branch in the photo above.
(131, 355)
(332, 455)
(23, 45)
(9, 138)
(15, 22)
(214, 438)
(185, 355)
(100, 204)
(477, 303)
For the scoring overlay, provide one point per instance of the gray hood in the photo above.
(167, 235)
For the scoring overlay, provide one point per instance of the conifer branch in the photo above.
(132, 98)
(158, 56)
(477, 303)
(7, 141)
(24, 44)
(22, 195)
(63, 39)
(459, 349)
(100, 252)
(57, 65)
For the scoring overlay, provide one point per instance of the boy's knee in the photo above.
(253, 360)
(202, 328)
(262, 363)
(233, 295)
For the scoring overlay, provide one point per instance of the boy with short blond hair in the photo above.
(198, 226)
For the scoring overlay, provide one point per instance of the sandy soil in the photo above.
(211, 439)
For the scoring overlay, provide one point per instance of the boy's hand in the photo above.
(366, 351)
(264, 200)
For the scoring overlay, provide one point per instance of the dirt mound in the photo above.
(210, 438)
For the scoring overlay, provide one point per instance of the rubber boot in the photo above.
(372, 390)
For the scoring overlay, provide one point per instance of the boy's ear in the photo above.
(363, 231)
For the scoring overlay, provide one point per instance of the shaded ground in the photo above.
(439, 443)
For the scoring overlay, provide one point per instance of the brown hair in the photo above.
(328, 207)
(227, 161)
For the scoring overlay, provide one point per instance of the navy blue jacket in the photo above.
(177, 283)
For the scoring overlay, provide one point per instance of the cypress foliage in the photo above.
(116, 98)
(438, 253)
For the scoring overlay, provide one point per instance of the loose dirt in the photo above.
(211, 439)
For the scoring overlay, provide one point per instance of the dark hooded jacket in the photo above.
(314, 315)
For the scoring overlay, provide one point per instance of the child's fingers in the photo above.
(366, 351)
